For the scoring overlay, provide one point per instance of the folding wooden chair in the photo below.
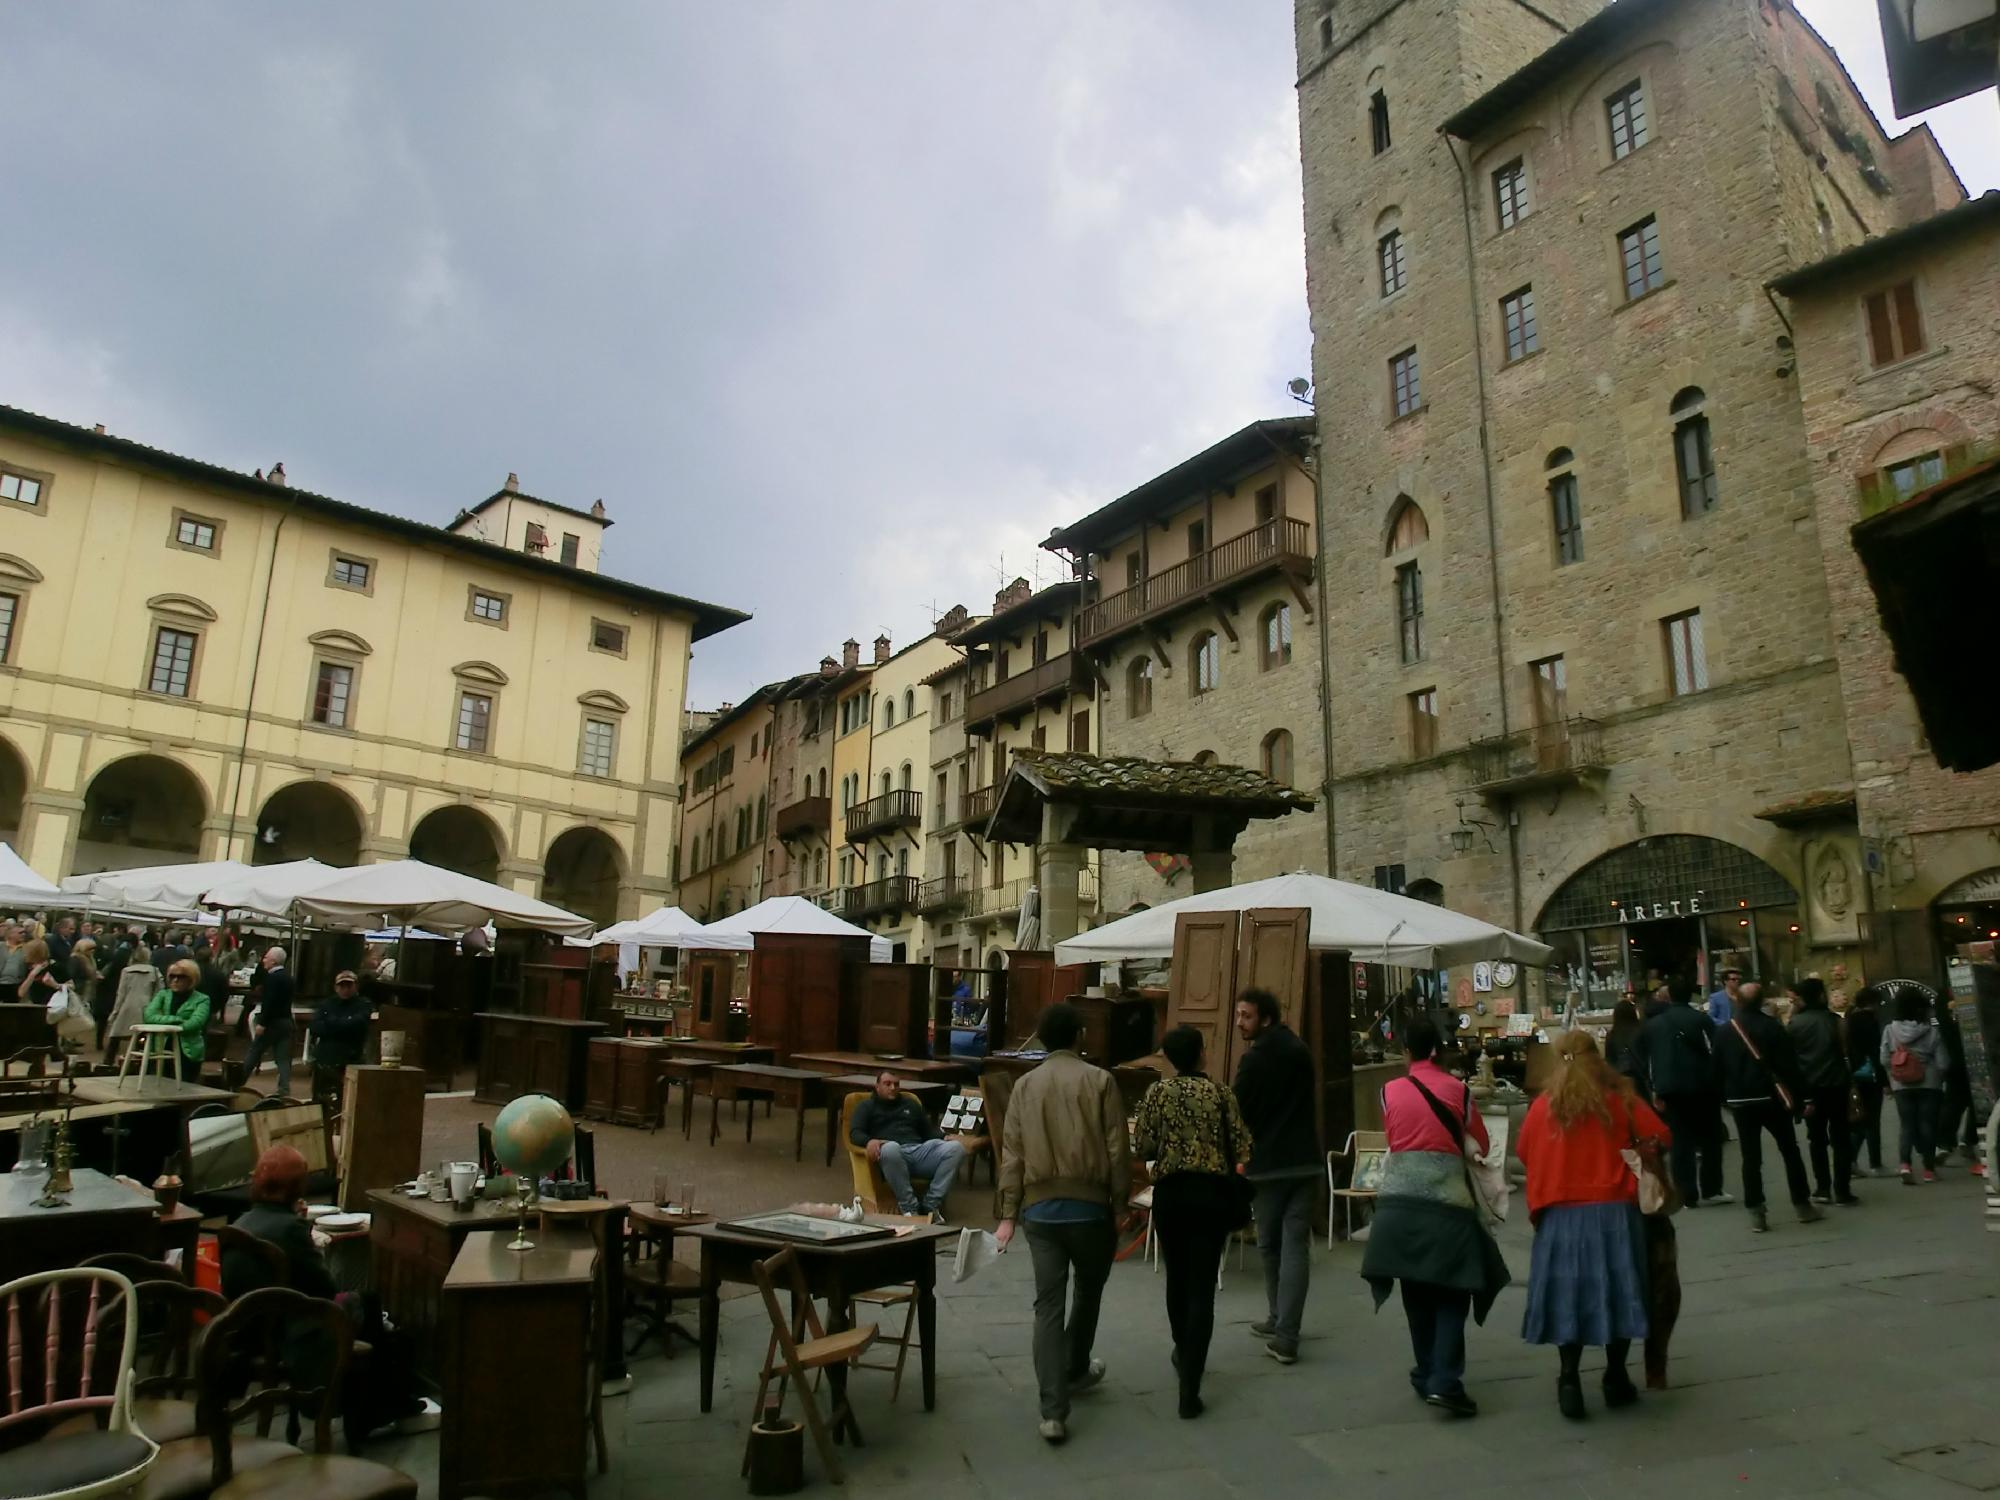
(885, 1298)
(820, 1351)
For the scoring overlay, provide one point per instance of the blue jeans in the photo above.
(937, 1160)
(1436, 1315)
(1284, 1238)
(277, 1041)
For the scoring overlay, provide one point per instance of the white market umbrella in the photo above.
(1375, 926)
(270, 890)
(168, 891)
(786, 914)
(664, 928)
(410, 892)
(20, 886)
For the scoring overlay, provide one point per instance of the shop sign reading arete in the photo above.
(1640, 911)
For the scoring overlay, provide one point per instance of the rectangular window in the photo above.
(1197, 535)
(488, 607)
(569, 549)
(20, 489)
(1510, 193)
(1406, 395)
(600, 737)
(605, 636)
(1517, 323)
(1132, 570)
(1395, 265)
(1905, 478)
(475, 722)
(351, 573)
(1694, 459)
(1895, 327)
(944, 707)
(333, 690)
(1423, 724)
(1267, 504)
(1687, 656)
(1639, 253)
(191, 531)
(1410, 611)
(1551, 682)
(1567, 514)
(1626, 111)
(10, 610)
(173, 663)
(1378, 121)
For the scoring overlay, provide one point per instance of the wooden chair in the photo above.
(489, 1164)
(801, 1358)
(870, 1186)
(885, 1298)
(54, 1373)
(277, 1270)
(255, 1332)
(1364, 1153)
(170, 1313)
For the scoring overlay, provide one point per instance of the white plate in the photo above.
(342, 1223)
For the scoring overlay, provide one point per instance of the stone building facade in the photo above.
(1579, 639)
(799, 851)
(1199, 630)
(1898, 340)
(726, 772)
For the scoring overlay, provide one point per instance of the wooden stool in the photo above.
(151, 1044)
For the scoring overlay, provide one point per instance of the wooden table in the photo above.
(719, 1052)
(652, 1222)
(603, 1219)
(798, 1089)
(517, 1334)
(158, 1139)
(833, 1272)
(147, 1090)
(522, 1054)
(930, 1093)
(415, 1242)
(689, 1073)
(101, 1215)
(926, 1069)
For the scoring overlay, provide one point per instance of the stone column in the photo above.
(1213, 869)
(1056, 876)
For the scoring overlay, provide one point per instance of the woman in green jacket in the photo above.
(181, 1004)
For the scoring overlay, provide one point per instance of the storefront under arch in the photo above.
(1678, 905)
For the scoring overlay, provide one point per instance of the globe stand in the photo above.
(524, 1197)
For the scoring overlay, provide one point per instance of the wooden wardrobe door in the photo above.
(1202, 982)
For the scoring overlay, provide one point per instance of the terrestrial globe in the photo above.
(533, 1136)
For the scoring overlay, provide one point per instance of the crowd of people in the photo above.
(1619, 1140)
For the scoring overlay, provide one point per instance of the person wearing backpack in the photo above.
(1913, 1059)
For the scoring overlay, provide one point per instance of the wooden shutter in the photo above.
(1202, 982)
(1909, 321)
(1881, 335)
(1079, 730)
(1271, 955)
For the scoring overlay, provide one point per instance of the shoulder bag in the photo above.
(1488, 1180)
(1658, 1194)
(1777, 1084)
(1238, 1191)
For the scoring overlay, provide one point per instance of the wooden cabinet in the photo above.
(1035, 981)
(600, 1078)
(799, 1000)
(533, 1055)
(618, 1079)
(892, 1005)
(709, 976)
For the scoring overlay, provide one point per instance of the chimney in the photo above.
(850, 654)
(881, 649)
(1020, 591)
(98, 429)
(726, 707)
(828, 666)
(277, 474)
(597, 509)
(953, 620)
(513, 484)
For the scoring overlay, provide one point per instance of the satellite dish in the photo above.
(1298, 385)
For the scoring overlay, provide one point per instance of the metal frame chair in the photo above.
(1359, 1143)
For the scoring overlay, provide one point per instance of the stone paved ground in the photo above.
(1852, 1358)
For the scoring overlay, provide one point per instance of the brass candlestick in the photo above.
(524, 1192)
(56, 1193)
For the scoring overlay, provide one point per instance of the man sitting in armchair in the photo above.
(902, 1140)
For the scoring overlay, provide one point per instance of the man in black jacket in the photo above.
(1764, 1091)
(1274, 1089)
(1815, 1036)
(900, 1138)
(1674, 1060)
(273, 1026)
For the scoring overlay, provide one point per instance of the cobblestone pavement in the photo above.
(1849, 1358)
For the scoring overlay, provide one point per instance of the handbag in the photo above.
(1487, 1180)
(1238, 1191)
(1659, 1195)
(1777, 1085)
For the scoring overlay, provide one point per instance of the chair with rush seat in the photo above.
(795, 1360)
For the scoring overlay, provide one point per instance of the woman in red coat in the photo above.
(1587, 1282)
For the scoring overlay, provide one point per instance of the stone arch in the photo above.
(140, 810)
(185, 605)
(309, 820)
(18, 569)
(583, 872)
(340, 640)
(14, 779)
(1751, 857)
(459, 837)
(1405, 528)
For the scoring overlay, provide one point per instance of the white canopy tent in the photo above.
(410, 892)
(788, 914)
(166, 892)
(1375, 926)
(270, 890)
(664, 928)
(20, 886)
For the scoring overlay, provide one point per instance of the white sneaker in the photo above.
(426, 1420)
(1052, 1430)
(1718, 1198)
(1093, 1375)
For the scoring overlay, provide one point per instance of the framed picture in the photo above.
(808, 1230)
(1482, 977)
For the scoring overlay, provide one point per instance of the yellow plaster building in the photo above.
(198, 664)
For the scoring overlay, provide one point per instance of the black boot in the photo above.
(1569, 1398)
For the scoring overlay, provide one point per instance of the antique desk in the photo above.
(930, 1093)
(926, 1069)
(143, 1139)
(101, 1215)
(515, 1376)
(691, 1073)
(523, 1054)
(833, 1272)
(719, 1052)
(798, 1089)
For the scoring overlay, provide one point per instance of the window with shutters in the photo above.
(1895, 324)
(1565, 509)
(1139, 688)
(1551, 683)
(1626, 113)
(1204, 664)
(1276, 631)
(1423, 707)
(1640, 259)
(1517, 324)
(1405, 392)
(608, 637)
(1510, 193)
(1410, 611)
(570, 544)
(1275, 756)
(1407, 526)
(1687, 654)
(1393, 258)
(1694, 457)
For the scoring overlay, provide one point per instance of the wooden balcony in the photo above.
(1283, 544)
(1053, 679)
(946, 893)
(896, 894)
(975, 808)
(997, 900)
(804, 818)
(883, 814)
(1548, 755)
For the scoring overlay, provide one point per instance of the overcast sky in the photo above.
(835, 306)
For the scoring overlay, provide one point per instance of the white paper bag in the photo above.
(976, 1251)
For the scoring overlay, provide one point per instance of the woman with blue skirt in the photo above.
(1587, 1281)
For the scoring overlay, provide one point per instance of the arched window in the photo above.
(1206, 758)
(889, 713)
(888, 784)
(1139, 688)
(1275, 628)
(1694, 461)
(1277, 756)
(822, 781)
(761, 810)
(1204, 664)
(1565, 509)
(1407, 526)
(906, 776)
(1378, 121)
(1392, 254)
(909, 703)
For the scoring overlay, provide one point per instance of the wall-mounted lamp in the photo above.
(1461, 836)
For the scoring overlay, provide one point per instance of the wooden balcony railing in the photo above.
(1557, 754)
(803, 818)
(945, 893)
(880, 814)
(1282, 542)
(1054, 678)
(976, 807)
(897, 893)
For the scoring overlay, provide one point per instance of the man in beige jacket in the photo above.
(1066, 1172)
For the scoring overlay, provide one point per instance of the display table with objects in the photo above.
(98, 1215)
